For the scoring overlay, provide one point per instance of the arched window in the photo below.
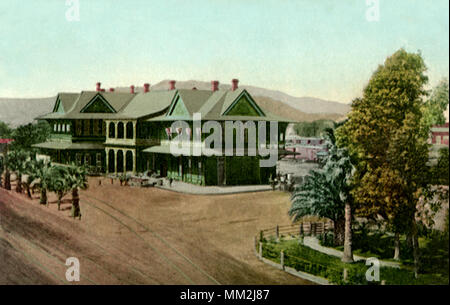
(111, 161)
(112, 130)
(120, 168)
(129, 161)
(129, 130)
(120, 130)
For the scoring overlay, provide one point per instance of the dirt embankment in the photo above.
(140, 236)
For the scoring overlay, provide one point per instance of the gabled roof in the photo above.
(117, 100)
(145, 104)
(66, 100)
(156, 105)
(214, 105)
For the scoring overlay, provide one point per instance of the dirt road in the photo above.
(139, 236)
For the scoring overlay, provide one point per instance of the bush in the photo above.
(326, 239)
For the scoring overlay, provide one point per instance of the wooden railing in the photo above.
(302, 228)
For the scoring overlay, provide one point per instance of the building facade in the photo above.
(306, 148)
(128, 132)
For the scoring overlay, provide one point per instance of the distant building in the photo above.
(439, 134)
(306, 148)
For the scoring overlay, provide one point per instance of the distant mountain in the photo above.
(304, 104)
(15, 112)
(22, 111)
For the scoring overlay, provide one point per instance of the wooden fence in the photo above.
(303, 228)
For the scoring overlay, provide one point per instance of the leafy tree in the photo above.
(435, 106)
(326, 193)
(313, 129)
(440, 172)
(5, 130)
(26, 135)
(385, 131)
(76, 179)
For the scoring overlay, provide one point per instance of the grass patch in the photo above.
(305, 259)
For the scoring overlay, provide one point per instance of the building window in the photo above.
(79, 127)
(120, 130)
(129, 130)
(129, 161)
(98, 157)
(100, 127)
(91, 127)
(85, 124)
(87, 159)
(78, 158)
(68, 127)
(55, 127)
(112, 130)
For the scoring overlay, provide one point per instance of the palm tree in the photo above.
(59, 182)
(43, 172)
(17, 160)
(326, 193)
(7, 183)
(77, 179)
(30, 171)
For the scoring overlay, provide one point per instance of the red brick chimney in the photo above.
(146, 87)
(98, 87)
(172, 85)
(214, 85)
(234, 84)
(132, 89)
(111, 89)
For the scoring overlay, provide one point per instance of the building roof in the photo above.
(69, 145)
(156, 105)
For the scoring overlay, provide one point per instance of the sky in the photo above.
(326, 49)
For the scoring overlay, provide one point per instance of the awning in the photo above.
(61, 145)
(165, 149)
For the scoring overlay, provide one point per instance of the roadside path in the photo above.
(313, 243)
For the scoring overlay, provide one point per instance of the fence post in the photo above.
(282, 259)
(277, 232)
(313, 228)
(301, 229)
(345, 275)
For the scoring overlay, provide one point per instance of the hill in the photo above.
(15, 111)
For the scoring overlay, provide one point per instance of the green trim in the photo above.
(244, 105)
(94, 106)
(178, 109)
(58, 108)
